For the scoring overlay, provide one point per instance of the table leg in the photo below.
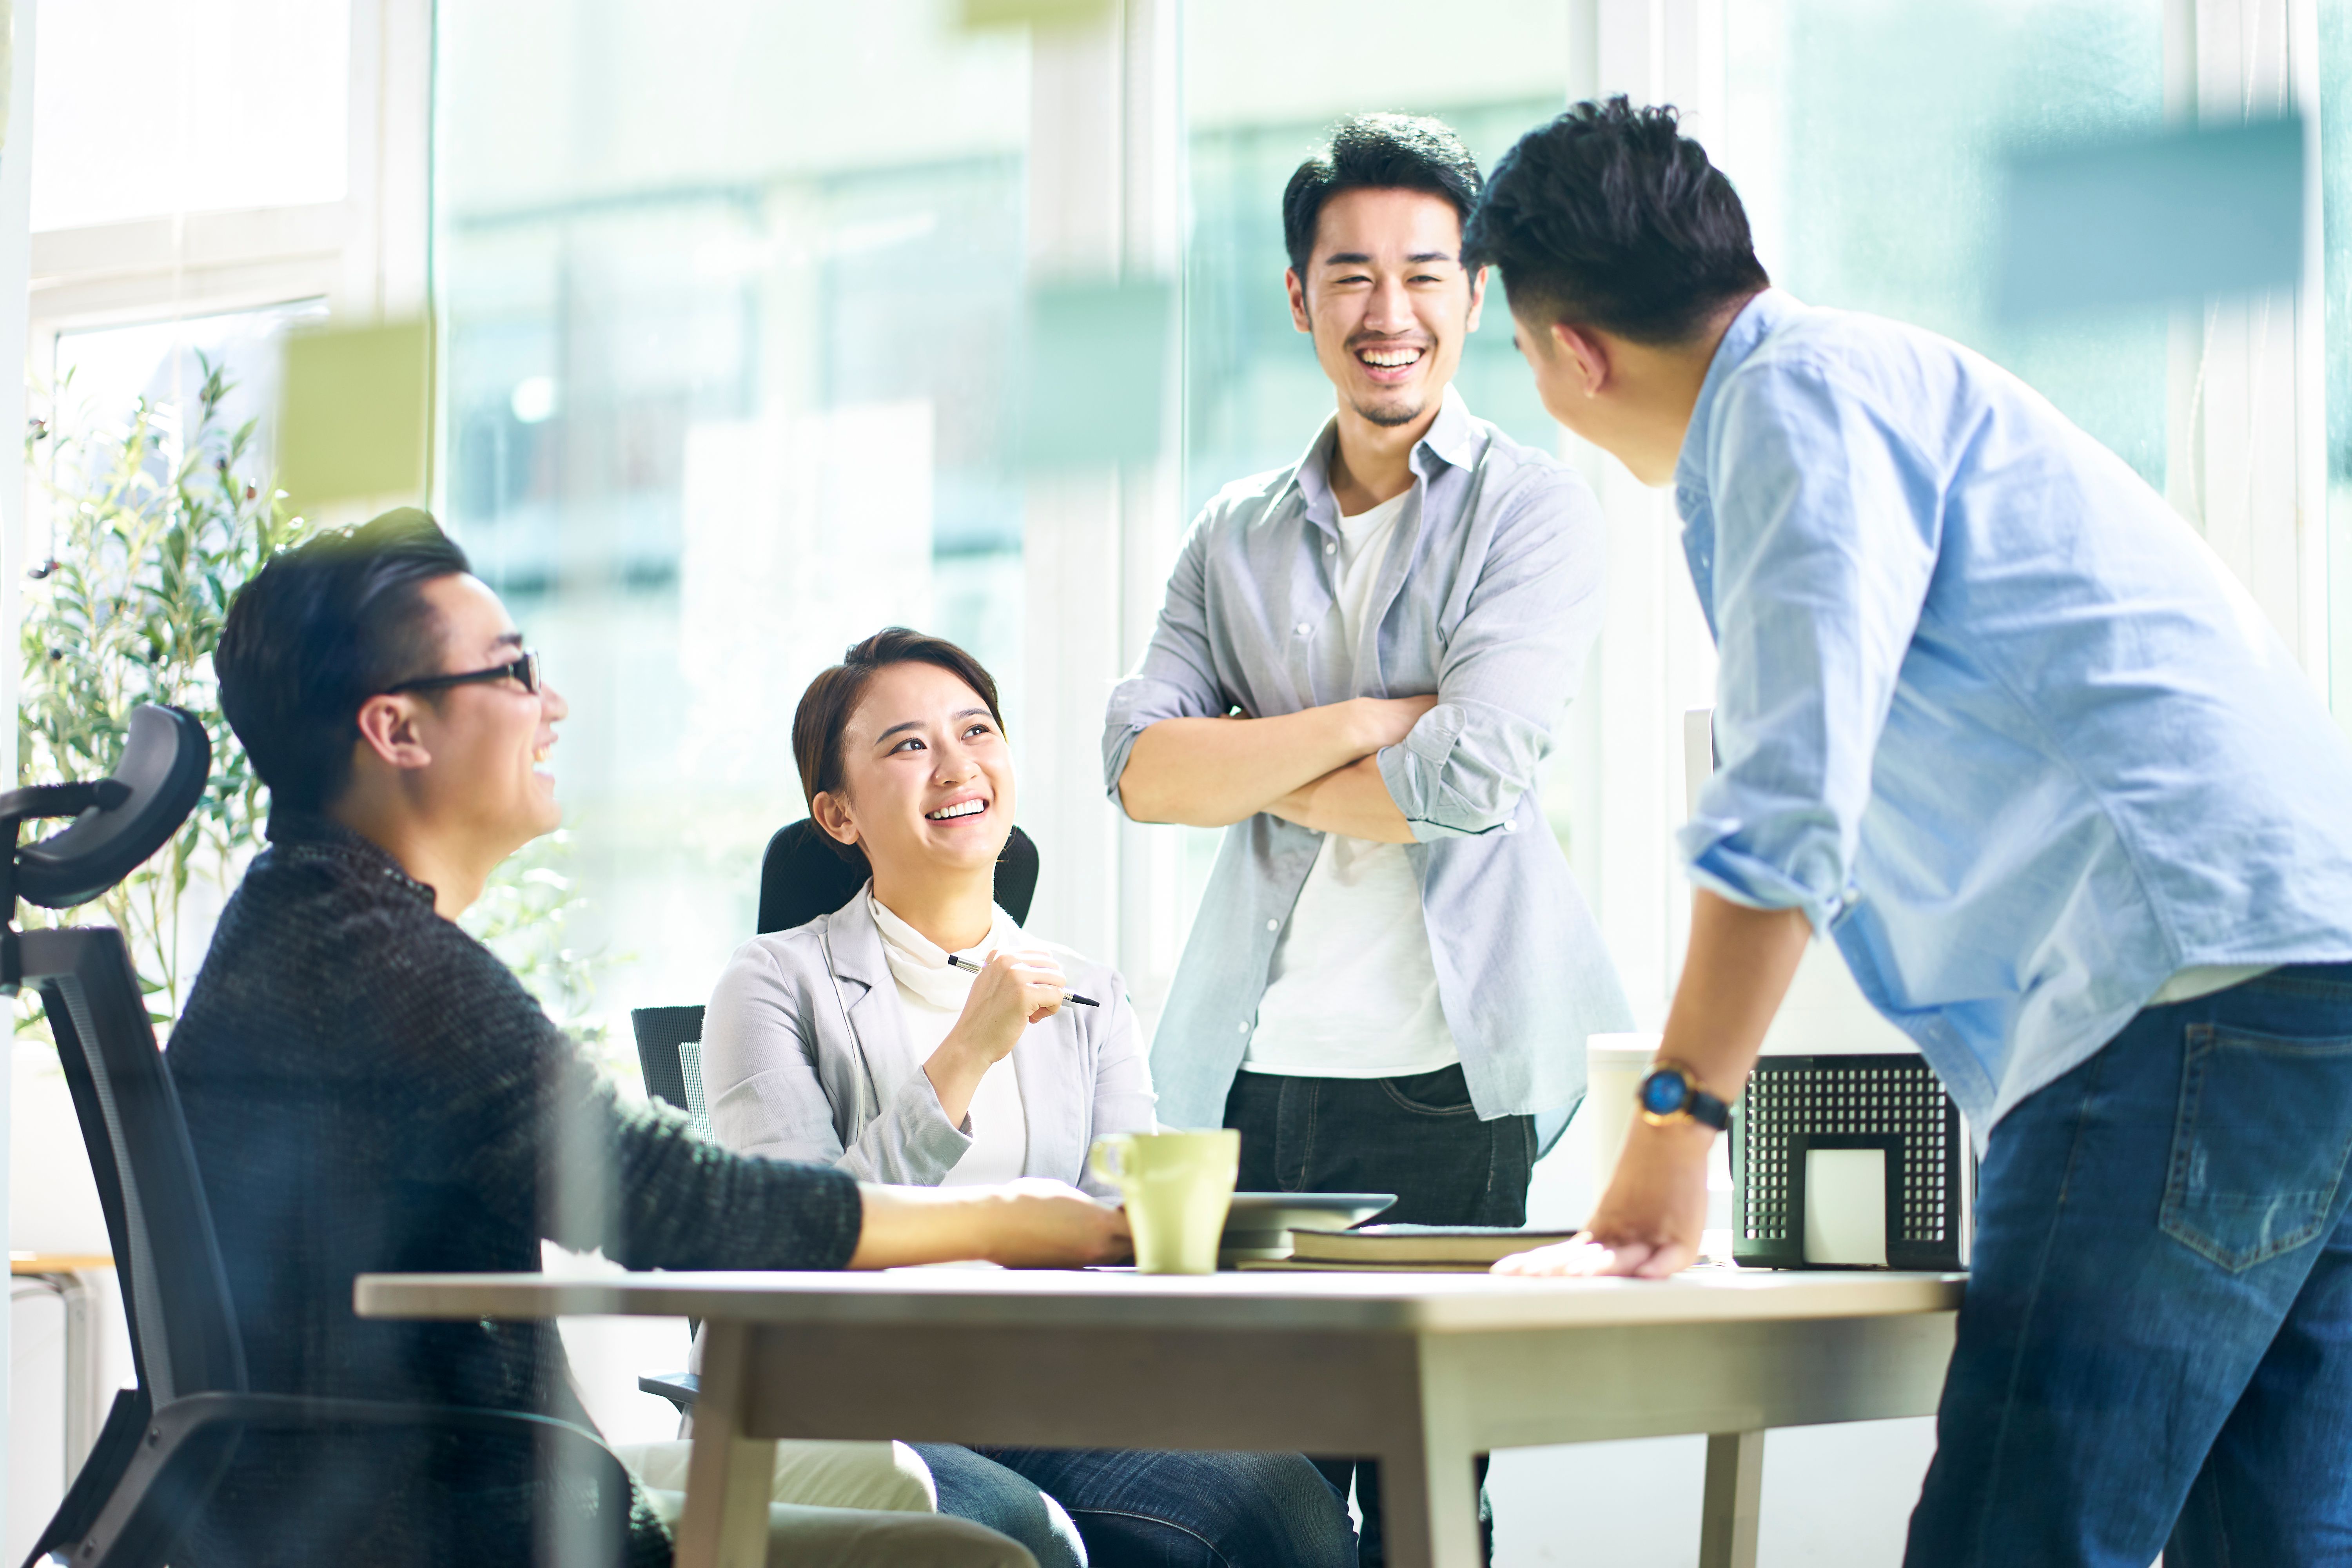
(1429, 1504)
(728, 1477)
(82, 1392)
(1734, 1497)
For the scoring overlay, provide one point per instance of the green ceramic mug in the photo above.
(1177, 1186)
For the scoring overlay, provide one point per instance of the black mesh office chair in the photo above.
(660, 1032)
(800, 878)
(166, 1442)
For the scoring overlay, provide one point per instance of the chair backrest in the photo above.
(698, 1110)
(660, 1032)
(183, 1331)
(669, 1049)
(802, 877)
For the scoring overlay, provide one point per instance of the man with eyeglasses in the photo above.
(368, 1088)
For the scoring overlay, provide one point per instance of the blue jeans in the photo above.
(1135, 1509)
(2156, 1349)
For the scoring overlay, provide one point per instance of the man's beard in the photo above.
(1392, 415)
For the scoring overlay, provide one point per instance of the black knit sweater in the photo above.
(369, 1089)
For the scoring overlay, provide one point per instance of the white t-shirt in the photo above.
(931, 995)
(1352, 991)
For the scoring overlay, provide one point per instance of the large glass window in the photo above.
(142, 108)
(729, 348)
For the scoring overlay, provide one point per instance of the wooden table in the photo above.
(1419, 1370)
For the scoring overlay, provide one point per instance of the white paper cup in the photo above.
(1614, 1065)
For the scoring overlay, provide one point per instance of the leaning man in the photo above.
(1994, 719)
(1358, 673)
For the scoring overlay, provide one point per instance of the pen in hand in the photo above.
(962, 963)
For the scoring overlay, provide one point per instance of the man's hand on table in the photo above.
(1026, 1224)
(1650, 1220)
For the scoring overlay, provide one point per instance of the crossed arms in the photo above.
(1515, 629)
(1318, 767)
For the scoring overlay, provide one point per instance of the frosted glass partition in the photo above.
(731, 343)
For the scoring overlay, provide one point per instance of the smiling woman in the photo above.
(917, 1035)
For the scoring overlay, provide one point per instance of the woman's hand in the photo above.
(1027, 1224)
(1011, 993)
(1649, 1220)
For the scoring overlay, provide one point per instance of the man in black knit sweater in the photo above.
(370, 1089)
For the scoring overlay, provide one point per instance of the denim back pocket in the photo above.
(2265, 1128)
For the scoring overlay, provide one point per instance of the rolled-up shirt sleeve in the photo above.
(1177, 677)
(1511, 664)
(1825, 535)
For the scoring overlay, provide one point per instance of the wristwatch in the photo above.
(1671, 1093)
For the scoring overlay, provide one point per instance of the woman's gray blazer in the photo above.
(805, 1056)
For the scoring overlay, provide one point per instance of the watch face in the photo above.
(1663, 1092)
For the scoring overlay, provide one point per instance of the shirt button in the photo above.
(1273, 925)
(1302, 628)
(1243, 1026)
(1329, 548)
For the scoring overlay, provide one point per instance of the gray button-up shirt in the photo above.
(1490, 595)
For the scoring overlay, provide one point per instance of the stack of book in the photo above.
(1407, 1249)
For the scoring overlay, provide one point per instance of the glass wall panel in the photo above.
(1865, 137)
(729, 350)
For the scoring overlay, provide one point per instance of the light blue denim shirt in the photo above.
(1990, 713)
(1489, 597)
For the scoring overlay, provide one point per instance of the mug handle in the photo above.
(1104, 1157)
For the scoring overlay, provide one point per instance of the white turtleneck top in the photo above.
(931, 994)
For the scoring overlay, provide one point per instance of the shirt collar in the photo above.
(1756, 321)
(1451, 439)
(299, 830)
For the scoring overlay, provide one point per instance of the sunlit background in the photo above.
(731, 305)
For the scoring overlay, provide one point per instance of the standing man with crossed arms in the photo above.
(1995, 720)
(1392, 973)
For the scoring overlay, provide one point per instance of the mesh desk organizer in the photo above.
(1795, 1106)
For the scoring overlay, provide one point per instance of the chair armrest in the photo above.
(303, 1411)
(680, 1388)
(173, 1466)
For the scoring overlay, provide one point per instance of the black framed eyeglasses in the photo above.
(524, 669)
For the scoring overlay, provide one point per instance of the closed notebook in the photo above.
(1460, 1247)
